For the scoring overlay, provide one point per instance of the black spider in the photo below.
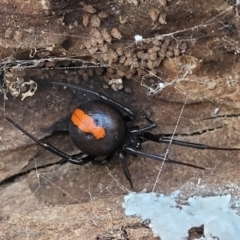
(99, 128)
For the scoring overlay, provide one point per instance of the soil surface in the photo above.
(185, 72)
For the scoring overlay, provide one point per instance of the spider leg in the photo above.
(163, 139)
(135, 151)
(72, 159)
(122, 158)
(130, 114)
(142, 129)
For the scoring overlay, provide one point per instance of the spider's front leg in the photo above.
(160, 138)
(122, 158)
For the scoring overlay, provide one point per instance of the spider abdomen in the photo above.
(97, 128)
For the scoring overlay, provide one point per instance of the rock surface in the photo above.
(189, 54)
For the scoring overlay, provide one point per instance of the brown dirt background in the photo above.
(43, 199)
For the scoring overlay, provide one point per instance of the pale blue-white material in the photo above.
(171, 221)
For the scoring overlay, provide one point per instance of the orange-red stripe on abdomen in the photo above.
(86, 124)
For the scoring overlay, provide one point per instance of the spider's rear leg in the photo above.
(75, 159)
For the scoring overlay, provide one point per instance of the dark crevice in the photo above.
(223, 116)
(62, 161)
(46, 139)
(14, 177)
(194, 133)
(57, 132)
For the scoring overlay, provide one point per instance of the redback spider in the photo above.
(99, 128)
